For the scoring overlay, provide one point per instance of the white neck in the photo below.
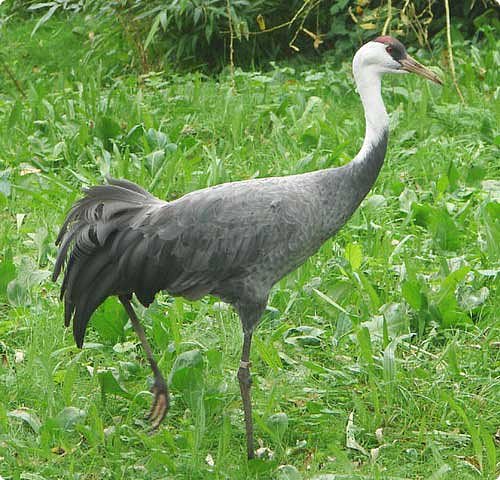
(353, 181)
(368, 82)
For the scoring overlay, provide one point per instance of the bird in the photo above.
(233, 241)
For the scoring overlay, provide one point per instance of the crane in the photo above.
(233, 241)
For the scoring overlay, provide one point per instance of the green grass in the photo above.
(395, 321)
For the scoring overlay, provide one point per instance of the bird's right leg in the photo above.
(160, 404)
(250, 313)
(245, 380)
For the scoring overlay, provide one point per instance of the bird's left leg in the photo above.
(160, 404)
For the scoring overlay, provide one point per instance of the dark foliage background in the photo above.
(154, 34)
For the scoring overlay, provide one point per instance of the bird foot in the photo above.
(159, 407)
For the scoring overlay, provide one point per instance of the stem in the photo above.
(15, 81)
(231, 43)
(288, 22)
(389, 17)
(450, 49)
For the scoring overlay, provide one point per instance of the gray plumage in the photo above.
(233, 241)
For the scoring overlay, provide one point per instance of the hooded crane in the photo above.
(233, 241)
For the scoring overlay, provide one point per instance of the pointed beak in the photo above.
(411, 65)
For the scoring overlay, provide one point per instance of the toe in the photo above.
(153, 408)
(158, 410)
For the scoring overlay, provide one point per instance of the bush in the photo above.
(196, 33)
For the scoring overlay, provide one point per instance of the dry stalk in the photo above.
(301, 26)
(15, 81)
(304, 10)
(387, 24)
(285, 24)
(133, 40)
(231, 44)
(450, 49)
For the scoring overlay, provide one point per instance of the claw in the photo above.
(159, 407)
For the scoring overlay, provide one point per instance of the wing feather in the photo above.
(119, 239)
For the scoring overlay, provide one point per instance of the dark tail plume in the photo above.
(105, 217)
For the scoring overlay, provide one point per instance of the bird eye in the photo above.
(389, 49)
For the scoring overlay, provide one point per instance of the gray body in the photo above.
(234, 240)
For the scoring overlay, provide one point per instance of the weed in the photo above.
(379, 358)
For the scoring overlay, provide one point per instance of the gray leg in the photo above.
(160, 404)
(250, 312)
(245, 380)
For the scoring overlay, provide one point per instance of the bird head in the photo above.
(387, 55)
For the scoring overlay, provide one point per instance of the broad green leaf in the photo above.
(109, 321)
(475, 174)
(5, 186)
(406, 199)
(395, 318)
(40, 241)
(305, 330)
(154, 161)
(28, 276)
(412, 294)
(278, 423)
(439, 222)
(135, 134)
(7, 271)
(68, 417)
(471, 299)
(343, 327)
(214, 358)
(157, 139)
(453, 176)
(109, 385)
(422, 214)
(107, 129)
(450, 283)
(350, 431)
(28, 416)
(353, 255)
(161, 326)
(389, 361)
(17, 293)
(446, 233)
(288, 472)
(368, 288)
(452, 358)
(186, 372)
(365, 345)
(304, 335)
(442, 184)
(304, 341)
(491, 218)
(375, 201)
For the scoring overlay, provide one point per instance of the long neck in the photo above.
(344, 188)
(367, 163)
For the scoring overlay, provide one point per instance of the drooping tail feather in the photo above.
(101, 229)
